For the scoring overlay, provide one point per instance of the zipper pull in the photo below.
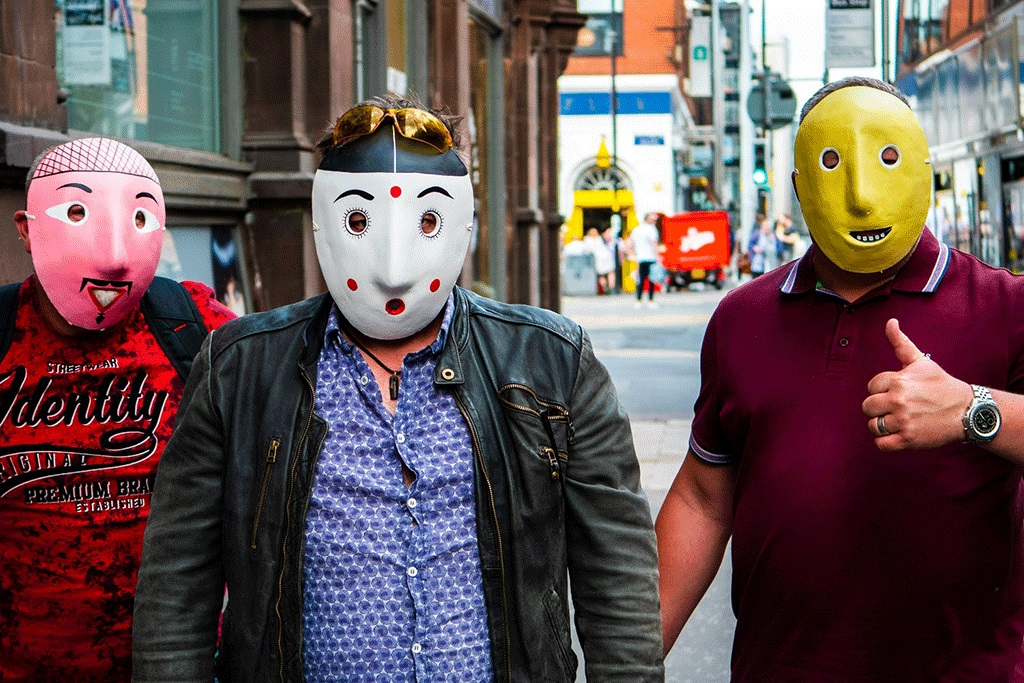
(272, 454)
(552, 460)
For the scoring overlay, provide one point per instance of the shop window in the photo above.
(141, 69)
(211, 255)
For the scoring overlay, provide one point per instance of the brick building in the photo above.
(226, 99)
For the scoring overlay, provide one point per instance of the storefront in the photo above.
(977, 151)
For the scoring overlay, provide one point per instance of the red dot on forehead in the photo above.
(435, 285)
(396, 192)
(352, 284)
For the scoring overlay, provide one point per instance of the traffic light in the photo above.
(760, 173)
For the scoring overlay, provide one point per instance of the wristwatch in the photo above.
(982, 419)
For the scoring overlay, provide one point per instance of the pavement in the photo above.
(653, 356)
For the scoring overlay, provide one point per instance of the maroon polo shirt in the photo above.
(850, 564)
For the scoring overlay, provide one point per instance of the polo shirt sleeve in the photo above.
(707, 435)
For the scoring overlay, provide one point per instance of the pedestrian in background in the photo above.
(859, 432)
(787, 238)
(604, 263)
(94, 352)
(614, 243)
(763, 248)
(644, 244)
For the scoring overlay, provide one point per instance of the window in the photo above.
(141, 69)
(210, 255)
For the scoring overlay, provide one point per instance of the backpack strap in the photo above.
(173, 316)
(8, 313)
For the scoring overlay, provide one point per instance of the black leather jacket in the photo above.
(557, 489)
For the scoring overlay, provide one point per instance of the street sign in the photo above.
(849, 33)
(700, 53)
(781, 103)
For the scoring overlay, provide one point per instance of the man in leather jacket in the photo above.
(397, 478)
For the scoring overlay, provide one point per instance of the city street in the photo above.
(653, 356)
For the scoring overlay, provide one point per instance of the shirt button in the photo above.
(364, 380)
(844, 342)
(412, 503)
(417, 648)
(400, 438)
(411, 571)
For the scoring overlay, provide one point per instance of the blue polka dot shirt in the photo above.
(392, 587)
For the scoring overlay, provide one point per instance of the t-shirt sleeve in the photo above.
(213, 312)
(707, 435)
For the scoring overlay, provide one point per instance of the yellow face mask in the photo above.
(862, 177)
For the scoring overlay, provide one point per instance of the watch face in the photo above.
(985, 420)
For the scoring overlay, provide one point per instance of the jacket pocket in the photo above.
(542, 427)
(268, 468)
(560, 633)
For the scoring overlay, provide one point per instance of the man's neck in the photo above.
(852, 286)
(393, 351)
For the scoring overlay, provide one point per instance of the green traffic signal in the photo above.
(760, 177)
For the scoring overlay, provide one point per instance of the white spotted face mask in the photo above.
(391, 245)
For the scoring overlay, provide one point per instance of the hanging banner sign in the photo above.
(849, 34)
(700, 57)
(86, 43)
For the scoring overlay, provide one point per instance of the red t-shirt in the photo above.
(82, 424)
(851, 565)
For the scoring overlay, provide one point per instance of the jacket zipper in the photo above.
(561, 413)
(287, 504)
(497, 532)
(271, 459)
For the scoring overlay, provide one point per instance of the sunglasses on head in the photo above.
(413, 124)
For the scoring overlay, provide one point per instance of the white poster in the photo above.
(86, 43)
(849, 34)
(700, 57)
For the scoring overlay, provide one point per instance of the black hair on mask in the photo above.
(385, 151)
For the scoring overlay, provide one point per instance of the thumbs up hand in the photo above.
(919, 406)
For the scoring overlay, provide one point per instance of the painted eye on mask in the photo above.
(356, 222)
(430, 223)
(72, 213)
(146, 220)
(890, 156)
(829, 159)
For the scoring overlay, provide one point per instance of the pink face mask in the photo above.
(96, 220)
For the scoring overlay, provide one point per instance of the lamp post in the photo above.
(612, 34)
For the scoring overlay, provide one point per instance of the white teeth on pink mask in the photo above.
(105, 297)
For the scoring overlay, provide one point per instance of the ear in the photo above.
(21, 221)
(795, 191)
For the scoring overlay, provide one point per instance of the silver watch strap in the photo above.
(981, 393)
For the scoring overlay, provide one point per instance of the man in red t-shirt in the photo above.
(87, 401)
(859, 432)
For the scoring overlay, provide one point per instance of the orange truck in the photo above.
(696, 248)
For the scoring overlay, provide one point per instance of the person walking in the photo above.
(644, 242)
(604, 263)
(869, 474)
(398, 478)
(763, 248)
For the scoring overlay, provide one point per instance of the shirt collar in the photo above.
(921, 274)
(334, 329)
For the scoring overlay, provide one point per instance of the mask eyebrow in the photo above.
(435, 188)
(145, 194)
(80, 186)
(360, 193)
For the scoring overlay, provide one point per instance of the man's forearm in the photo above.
(693, 529)
(690, 549)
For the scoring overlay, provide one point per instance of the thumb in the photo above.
(906, 351)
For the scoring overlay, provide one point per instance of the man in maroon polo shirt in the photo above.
(859, 432)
